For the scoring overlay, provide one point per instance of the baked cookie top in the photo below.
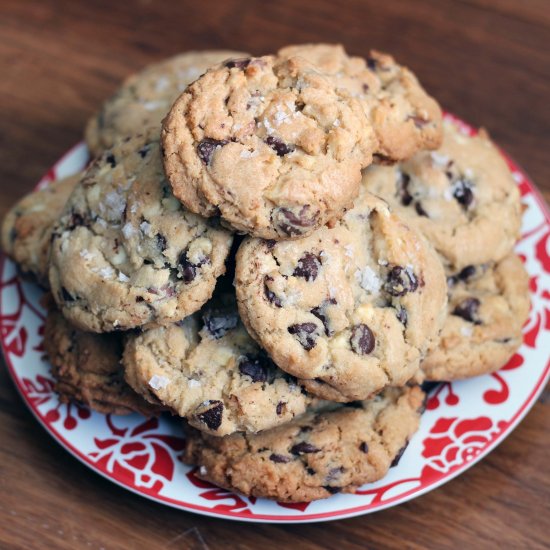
(350, 309)
(404, 117)
(462, 197)
(87, 369)
(126, 253)
(144, 98)
(488, 305)
(270, 143)
(27, 227)
(315, 455)
(207, 368)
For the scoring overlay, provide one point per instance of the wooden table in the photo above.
(488, 61)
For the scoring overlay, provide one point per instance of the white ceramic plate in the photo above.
(463, 421)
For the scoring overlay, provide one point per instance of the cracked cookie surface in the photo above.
(207, 368)
(315, 455)
(27, 227)
(349, 309)
(404, 117)
(488, 306)
(87, 369)
(269, 143)
(462, 197)
(126, 253)
(144, 98)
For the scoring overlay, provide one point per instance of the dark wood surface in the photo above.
(488, 61)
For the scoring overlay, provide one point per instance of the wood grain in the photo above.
(486, 60)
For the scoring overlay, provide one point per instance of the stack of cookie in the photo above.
(279, 250)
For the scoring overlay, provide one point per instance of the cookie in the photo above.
(271, 144)
(87, 369)
(315, 455)
(27, 227)
(488, 306)
(404, 117)
(144, 98)
(126, 253)
(207, 368)
(462, 197)
(350, 309)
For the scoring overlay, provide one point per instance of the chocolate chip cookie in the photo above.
(27, 227)
(404, 117)
(144, 98)
(488, 305)
(126, 253)
(462, 197)
(87, 369)
(270, 143)
(315, 455)
(207, 368)
(350, 309)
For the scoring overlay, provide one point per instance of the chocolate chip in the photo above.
(212, 414)
(400, 281)
(219, 323)
(463, 192)
(308, 267)
(363, 447)
(321, 313)
(419, 210)
(144, 150)
(398, 456)
(188, 270)
(110, 158)
(371, 63)
(362, 339)
(67, 297)
(75, 220)
(334, 473)
(305, 333)
(241, 63)
(294, 221)
(310, 471)
(403, 189)
(332, 490)
(303, 448)
(161, 242)
(280, 407)
(466, 273)
(279, 146)
(272, 298)
(402, 316)
(206, 148)
(279, 459)
(468, 309)
(254, 367)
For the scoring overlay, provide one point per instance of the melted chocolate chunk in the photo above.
(398, 456)
(306, 333)
(272, 298)
(144, 150)
(161, 242)
(255, 367)
(363, 447)
(466, 273)
(280, 407)
(188, 270)
(334, 473)
(279, 459)
(463, 192)
(403, 189)
(110, 158)
(468, 310)
(279, 146)
(362, 339)
(419, 210)
(293, 221)
(76, 220)
(66, 295)
(371, 63)
(241, 63)
(321, 313)
(212, 414)
(206, 148)
(304, 448)
(332, 490)
(400, 281)
(308, 267)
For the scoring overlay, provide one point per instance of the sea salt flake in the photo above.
(368, 280)
(246, 154)
(153, 105)
(192, 383)
(145, 227)
(122, 277)
(203, 471)
(87, 255)
(106, 272)
(128, 230)
(336, 123)
(439, 159)
(158, 382)
(466, 331)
